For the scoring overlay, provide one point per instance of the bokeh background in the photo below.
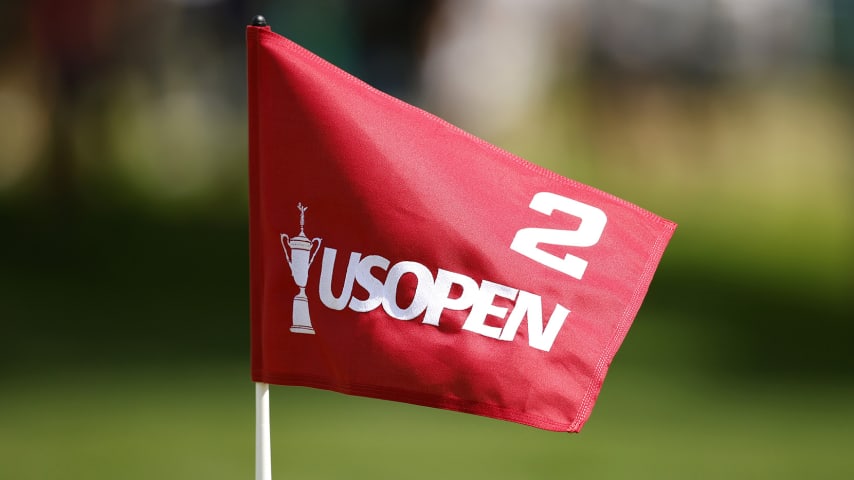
(123, 232)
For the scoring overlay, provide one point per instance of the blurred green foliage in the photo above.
(194, 420)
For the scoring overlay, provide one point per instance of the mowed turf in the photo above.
(196, 421)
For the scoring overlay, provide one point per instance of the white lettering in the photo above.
(433, 296)
(441, 300)
(587, 234)
(326, 295)
(367, 280)
(538, 337)
(423, 290)
(483, 306)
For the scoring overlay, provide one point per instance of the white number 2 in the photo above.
(586, 235)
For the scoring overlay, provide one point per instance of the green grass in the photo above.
(196, 421)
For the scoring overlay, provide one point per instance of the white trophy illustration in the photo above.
(300, 260)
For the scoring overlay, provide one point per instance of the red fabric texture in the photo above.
(382, 178)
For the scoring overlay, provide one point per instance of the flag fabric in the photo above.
(395, 256)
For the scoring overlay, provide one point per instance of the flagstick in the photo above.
(263, 468)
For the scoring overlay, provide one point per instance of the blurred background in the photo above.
(124, 350)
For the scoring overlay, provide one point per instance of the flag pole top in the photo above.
(259, 21)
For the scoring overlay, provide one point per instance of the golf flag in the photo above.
(395, 256)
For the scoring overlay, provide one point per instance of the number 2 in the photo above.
(586, 235)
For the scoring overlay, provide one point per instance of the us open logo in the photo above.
(433, 293)
(300, 259)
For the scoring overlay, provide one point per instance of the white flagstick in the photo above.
(263, 469)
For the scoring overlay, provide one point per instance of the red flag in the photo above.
(396, 256)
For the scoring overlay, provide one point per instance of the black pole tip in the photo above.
(259, 21)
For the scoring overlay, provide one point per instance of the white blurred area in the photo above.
(489, 63)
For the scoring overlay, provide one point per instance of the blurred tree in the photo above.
(76, 40)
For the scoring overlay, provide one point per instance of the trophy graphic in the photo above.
(300, 260)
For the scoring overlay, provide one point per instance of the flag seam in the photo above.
(255, 264)
(622, 327)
